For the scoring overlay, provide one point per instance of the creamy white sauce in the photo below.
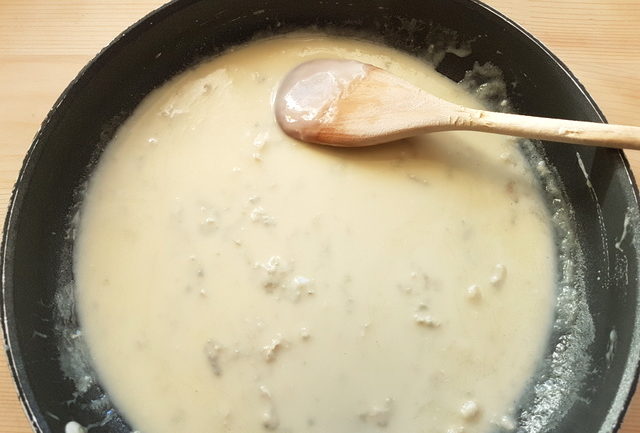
(231, 279)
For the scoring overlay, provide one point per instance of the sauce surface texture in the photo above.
(231, 279)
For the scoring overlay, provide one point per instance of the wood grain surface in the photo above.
(44, 43)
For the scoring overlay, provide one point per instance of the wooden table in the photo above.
(44, 43)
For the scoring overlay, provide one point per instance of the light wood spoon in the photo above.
(348, 103)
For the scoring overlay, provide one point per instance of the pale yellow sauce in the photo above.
(231, 279)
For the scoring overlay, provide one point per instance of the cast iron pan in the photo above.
(37, 245)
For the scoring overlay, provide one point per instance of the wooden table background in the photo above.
(44, 43)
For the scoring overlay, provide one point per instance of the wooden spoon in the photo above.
(348, 103)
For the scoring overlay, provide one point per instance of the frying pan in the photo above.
(48, 359)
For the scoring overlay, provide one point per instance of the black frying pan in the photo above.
(37, 243)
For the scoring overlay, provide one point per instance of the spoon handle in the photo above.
(566, 131)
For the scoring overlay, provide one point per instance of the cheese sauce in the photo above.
(231, 279)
